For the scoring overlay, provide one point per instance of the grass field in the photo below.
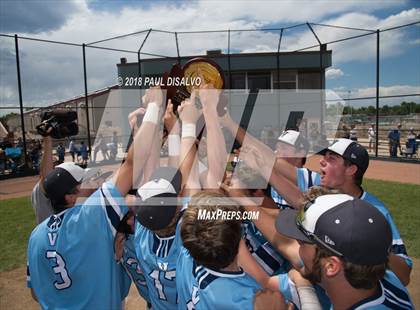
(403, 200)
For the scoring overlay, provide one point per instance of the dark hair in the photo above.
(359, 276)
(213, 243)
(358, 176)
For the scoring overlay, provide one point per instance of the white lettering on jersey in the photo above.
(52, 237)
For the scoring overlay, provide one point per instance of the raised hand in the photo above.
(153, 94)
(169, 118)
(188, 112)
(209, 96)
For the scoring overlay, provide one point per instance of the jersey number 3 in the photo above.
(60, 270)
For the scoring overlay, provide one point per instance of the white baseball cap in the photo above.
(295, 139)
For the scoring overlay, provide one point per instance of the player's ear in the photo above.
(332, 266)
(351, 170)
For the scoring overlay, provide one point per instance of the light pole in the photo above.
(348, 100)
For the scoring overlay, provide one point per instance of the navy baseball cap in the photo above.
(350, 150)
(348, 227)
(159, 198)
(66, 176)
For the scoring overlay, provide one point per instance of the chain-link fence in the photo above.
(40, 74)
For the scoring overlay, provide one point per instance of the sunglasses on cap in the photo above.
(300, 217)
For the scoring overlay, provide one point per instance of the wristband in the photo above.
(174, 145)
(152, 113)
(188, 131)
(308, 298)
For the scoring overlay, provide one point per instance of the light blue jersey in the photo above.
(71, 255)
(133, 268)
(307, 178)
(398, 247)
(158, 257)
(203, 288)
(263, 252)
(392, 294)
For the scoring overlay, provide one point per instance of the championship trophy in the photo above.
(196, 69)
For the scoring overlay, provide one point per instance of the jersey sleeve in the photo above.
(108, 201)
(307, 178)
(398, 247)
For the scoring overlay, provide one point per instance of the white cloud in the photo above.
(51, 72)
(393, 90)
(333, 73)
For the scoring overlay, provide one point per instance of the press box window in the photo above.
(259, 81)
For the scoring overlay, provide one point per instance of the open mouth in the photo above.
(322, 173)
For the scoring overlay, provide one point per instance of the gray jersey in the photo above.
(41, 204)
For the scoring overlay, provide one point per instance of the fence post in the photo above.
(22, 118)
(377, 93)
(86, 99)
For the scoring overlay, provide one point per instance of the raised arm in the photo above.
(47, 164)
(140, 149)
(188, 165)
(172, 126)
(262, 161)
(265, 223)
(216, 147)
(245, 139)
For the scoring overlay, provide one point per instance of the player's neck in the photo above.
(352, 189)
(352, 296)
(233, 267)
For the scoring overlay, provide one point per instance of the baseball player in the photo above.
(340, 248)
(157, 235)
(342, 167)
(209, 276)
(70, 255)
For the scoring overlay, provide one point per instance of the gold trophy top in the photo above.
(207, 70)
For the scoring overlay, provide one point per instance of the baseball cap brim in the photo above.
(286, 225)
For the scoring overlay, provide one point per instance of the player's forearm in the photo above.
(266, 225)
(285, 169)
(153, 160)
(174, 146)
(250, 265)
(139, 151)
(216, 148)
(399, 266)
(187, 160)
(288, 190)
(46, 165)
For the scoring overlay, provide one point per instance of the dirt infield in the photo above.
(382, 170)
(379, 170)
(15, 296)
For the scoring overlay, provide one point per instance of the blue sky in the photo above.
(52, 73)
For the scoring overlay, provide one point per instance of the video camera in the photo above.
(62, 122)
